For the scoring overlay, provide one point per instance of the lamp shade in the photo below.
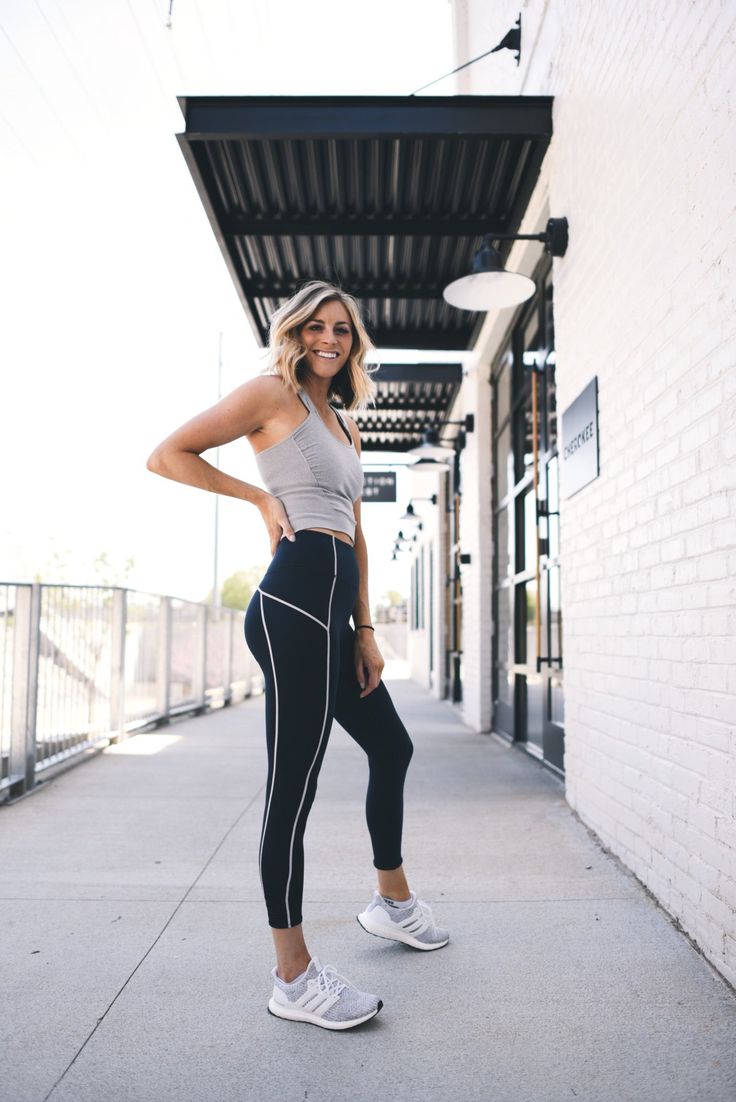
(428, 464)
(489, 286)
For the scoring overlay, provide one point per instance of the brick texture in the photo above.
(643, 165)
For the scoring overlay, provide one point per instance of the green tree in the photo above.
(238, 589)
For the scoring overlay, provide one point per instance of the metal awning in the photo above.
(387, 196)
(410, 397)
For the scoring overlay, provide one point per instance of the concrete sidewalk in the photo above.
(136, 951)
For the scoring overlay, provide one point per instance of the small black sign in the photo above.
(379, 486)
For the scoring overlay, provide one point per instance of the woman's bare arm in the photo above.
(237, 414)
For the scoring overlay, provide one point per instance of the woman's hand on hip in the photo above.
(276, 521)
(368, 661)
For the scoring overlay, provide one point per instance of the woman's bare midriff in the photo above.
(340, 535)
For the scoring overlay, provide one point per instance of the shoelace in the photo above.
(331, 984)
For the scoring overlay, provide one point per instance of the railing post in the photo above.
(163, 673)
(228, 686)
(117, 673)
(26, 631)
(199, 688)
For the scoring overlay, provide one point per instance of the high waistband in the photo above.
(319, 552)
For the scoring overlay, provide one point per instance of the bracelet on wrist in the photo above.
(370, 626)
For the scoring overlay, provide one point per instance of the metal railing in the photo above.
(83, 666)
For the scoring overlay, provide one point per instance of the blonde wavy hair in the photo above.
(286, 352)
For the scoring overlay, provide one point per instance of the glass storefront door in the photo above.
(527, 614)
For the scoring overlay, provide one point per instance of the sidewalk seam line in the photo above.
(155, 941)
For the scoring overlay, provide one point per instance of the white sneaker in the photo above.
(411, 923)
(323, 997)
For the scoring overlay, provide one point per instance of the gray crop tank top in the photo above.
(315, 477)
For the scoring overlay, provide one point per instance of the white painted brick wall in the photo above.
(424, 485)
(643, 165)
(475, 538)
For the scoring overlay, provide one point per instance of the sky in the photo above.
(114, 290)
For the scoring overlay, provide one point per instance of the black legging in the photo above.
(297, 628)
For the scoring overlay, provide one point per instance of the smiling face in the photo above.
(327, 339)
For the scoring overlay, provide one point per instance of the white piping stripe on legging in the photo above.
(263, 593)
(324, 723)
(276, 743)
(283, 602)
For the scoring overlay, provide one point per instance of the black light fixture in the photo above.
(432, 448)
(429, 465)
(410, 514)
(401, 538)
(490, 286)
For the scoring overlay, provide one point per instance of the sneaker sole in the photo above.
(364, 920)
(294, 1015)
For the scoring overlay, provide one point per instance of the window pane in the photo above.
(505, 646)
(531, 631)
(503, 550)
(551, 387)
(555, 613)
(503, 463)
(556, 701)
(526, 531)
(502, 391)
(553, 505)
(530, 530)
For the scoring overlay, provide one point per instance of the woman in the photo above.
(315, 665)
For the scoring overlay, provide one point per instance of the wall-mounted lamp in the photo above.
(431, 448)
(429, 465)
(490, 286)
(401, 538)
(410, 514)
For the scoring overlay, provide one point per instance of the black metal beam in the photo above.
(369, 444)
(411, 417)
(360, 117)
(418, 373)
(420, 338)
(246, 225)
(359, 288)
